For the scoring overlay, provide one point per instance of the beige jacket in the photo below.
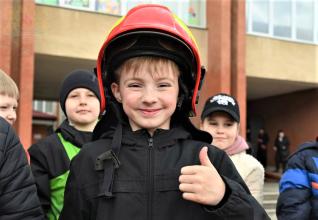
(252, 173)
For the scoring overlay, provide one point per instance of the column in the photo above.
(226, 54)
(17, 57)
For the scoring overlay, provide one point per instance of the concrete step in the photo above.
(270, 198)
(270, 195)
(269, 204)
(271, 213)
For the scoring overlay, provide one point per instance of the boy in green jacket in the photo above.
(50, 157)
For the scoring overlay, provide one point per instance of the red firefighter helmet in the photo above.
(152, 30)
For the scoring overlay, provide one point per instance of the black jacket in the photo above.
(18, 198)
(282, 148)
(298, 198)
(49, 159)
(146, 185)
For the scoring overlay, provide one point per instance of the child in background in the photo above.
(298, 186)
(221, 118)
(50, 158)
(9, 96)
(18, 199)
(148, 161)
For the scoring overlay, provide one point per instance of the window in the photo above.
(295, 20)
(192, 12)
(260, 16)
(78, 4)
(48, 2)
(108, 6)
(49, 107)
(282, 18)
(304, 20)
(40, 106)
(248, 15)
(196, 13)
(44, 106)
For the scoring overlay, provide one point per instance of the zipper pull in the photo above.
(150, 142)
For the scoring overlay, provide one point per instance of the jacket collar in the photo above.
(161, 138)
(71, 134)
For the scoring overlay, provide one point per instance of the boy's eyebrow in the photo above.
(133, 78)
(155, 77)
(211, 119)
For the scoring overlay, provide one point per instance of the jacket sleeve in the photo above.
(237, 203)
(40, 170)
(295, 191)
(255, 182)
(18, 198)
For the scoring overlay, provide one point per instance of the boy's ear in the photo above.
(115, 90)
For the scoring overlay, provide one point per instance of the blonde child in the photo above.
(18, 198)
(148, 161)
(9, 96)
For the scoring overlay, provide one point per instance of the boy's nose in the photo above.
(149, 96)
(219, 130)
(12, 116)
(82, 100)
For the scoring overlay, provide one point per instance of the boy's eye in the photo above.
(162, 85)
(134, 85)
(213, 123)
(3, 107)
(73, 95)
(229, 124)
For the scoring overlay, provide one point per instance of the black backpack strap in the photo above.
(109, 162)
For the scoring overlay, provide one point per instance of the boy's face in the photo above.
(222, 127)
(149, 100)
(82, 108)
(281, 134)
(8, 107)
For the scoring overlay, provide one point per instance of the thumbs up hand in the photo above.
(202, 183)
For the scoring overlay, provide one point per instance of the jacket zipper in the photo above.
(150, 177)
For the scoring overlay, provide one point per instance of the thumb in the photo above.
(204, 159)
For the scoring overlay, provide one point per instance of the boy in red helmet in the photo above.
(148, 161)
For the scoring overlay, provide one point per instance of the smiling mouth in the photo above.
(219, 139)
(82, 111)
(149, 112)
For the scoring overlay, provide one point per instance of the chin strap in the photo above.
(203, 71)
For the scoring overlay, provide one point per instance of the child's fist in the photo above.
(202, 183)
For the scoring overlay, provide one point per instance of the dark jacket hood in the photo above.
(71, 134)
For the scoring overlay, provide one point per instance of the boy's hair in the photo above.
(78, 79)
(8, 86)
(155, 66)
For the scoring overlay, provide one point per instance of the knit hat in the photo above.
(78, 79)
(221, 103)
